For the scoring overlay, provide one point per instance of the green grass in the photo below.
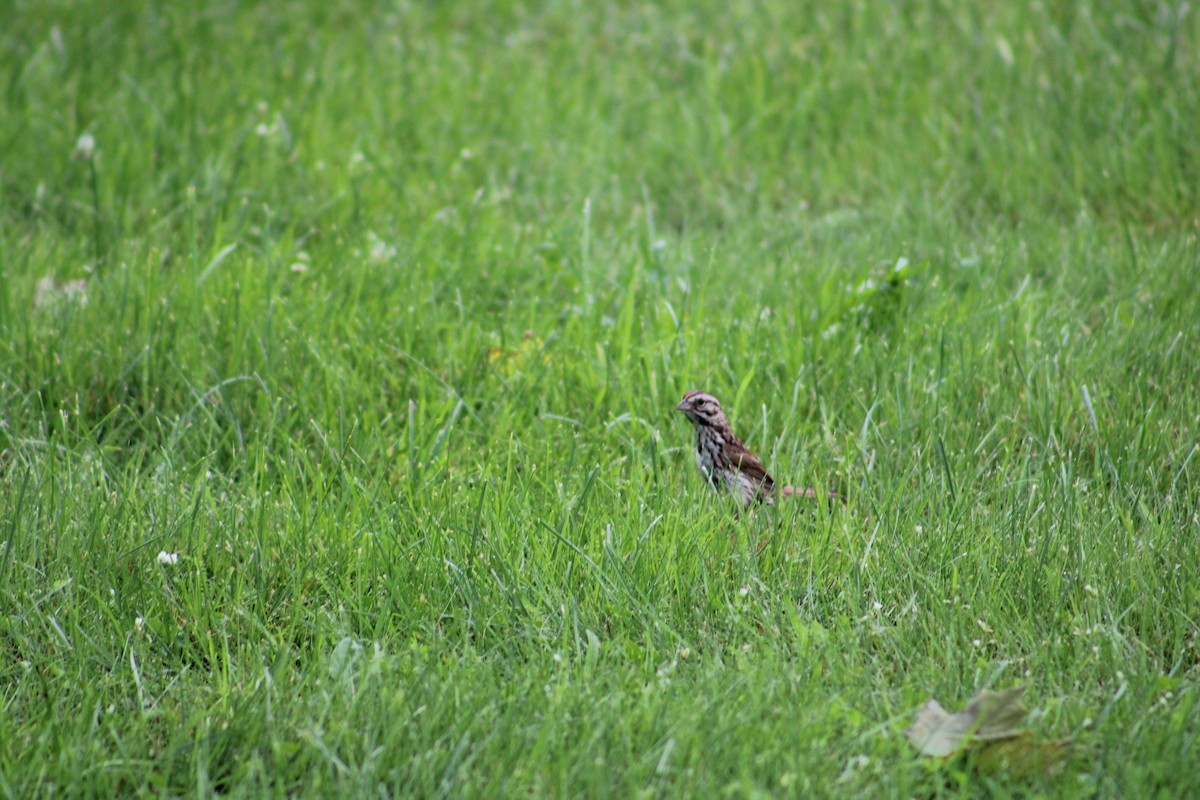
(387, 307)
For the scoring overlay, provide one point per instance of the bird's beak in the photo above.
(682, 406)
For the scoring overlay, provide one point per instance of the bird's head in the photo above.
(702, 409)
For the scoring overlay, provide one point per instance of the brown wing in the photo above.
(750, 466)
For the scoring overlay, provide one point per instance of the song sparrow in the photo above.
(724, 460)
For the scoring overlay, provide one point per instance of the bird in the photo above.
(726, 463)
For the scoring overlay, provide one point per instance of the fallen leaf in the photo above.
(987, 728)
(987, 717)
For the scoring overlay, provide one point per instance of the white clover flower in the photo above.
(49, 292)
(379, 250)
(168, 558)
(85, 147)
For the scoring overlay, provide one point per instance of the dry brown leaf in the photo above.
(988, 727)
(989, 716)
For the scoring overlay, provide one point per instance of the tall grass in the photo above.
(386, 309)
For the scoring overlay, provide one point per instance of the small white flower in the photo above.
(299, 266)
(139, 623)
(378, 249)
(557, 658)
(75, 291)
(263, 129)
(168, 558)
(49, 292)
(85, 146)
(745, 590)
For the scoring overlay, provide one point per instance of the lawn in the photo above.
(339, 346)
